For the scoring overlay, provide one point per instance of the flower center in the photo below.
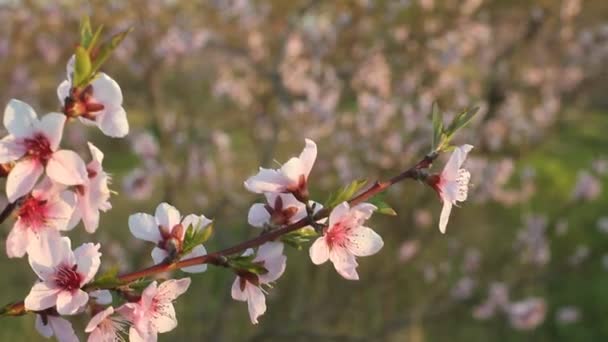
(67, 278)
(337, 235)
(81, 103)
(39, 147)
(33, 212)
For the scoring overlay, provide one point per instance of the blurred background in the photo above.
(214, 89)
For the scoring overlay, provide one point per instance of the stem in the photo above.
(218, 258)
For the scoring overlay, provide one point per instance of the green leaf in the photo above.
(140, 284)
(82, 68)
(345, 193)
(299, 237)
(246, 263)
(196, 236)
(107, 48)
(108, 279)
(383, 207)
(461, 120)
(94, 40)
(86, 33)
(437, 118)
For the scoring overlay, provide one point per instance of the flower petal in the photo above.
(256, 302)
(319, 251)
(103, 297)
(98, 318)
(19, 118)
(144, 227)
(63, 91)
(258, 216)
(70, 303)
(292, 170)
(88, 259)
(171, 289)
(165, 321)
(167, 216)
(308, 156)
(52, 126)
(62, 329)
(445, 215)
(274, 261)
(17, 241)
(196, 252)
(106, 90)
(236, 292)
(363, 241)
(22, 178)
(44, 330)
(11, 149)
(159, 255)
(450, 171)
(66, 167)
(46, 254)
(267, 180)
(41, 297)
(344, 262)
(113, 122)
(337, 213)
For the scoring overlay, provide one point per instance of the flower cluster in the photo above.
(52, 190)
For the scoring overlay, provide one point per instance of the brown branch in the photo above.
(218, 258)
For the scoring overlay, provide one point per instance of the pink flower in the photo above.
(62, 275)
(49, 326)
(154, 312)
(167, 232)
(452, 184)
(346, 238)
(40, 216)
(291, 177)
(105, 328)
(100, 103)
(93, 194)
(282, 209)
(527, 314)
(33, 144)
(248, 287)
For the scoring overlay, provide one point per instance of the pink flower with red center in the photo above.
(33, 145)
(93, 194)
(452, 184)
(62, 274)
(50, 325)
(99, 103)
(40, 216)
(291, 177)
(167, 230)
(346, 238)
(103, 327)
(248, 286)
(154, 312)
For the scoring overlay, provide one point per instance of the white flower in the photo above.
(452, 184)
(33, 144)
(154, 312)
(40, 216)
(167, 230)
(49, 326)
(93, 194)
(346, 238)
(282, 209)
(62, 275)
(100, 103)
(104, 328)
(248, 287)
(291, 177)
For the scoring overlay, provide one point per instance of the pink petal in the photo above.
(293, 170)
(46, 254)
(167, 216)
(274, 261)
(63, 91)
(19, 119)
(70, 303)
(450, 171)
(11, 149)
(62, 329)
(267, 180)
(344, 263)
(96, 157)
(196, 252)
(337, 213)
(363, 241)
(144, 227)
(256, 302)
(17, 241)
(41, 297)
(88, 259)
(308, 156)
(103, 297)
(66, 167)
(258, 216)
(319, 251)
(22, 178)
(445, 215)
(173, 288)
(106, 91)
(165, 321)
(98, 318)
(236, 292)
(159, 255)
(52, 127)
(363, 211)
(113, 122)
(44, 330)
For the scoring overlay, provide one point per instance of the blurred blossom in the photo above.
(532, 241)
(138, 184)
(580, 254)
(498, 300)
(587, 187)
(429, 273)
(600, 166)
(463, 289)
(568, 315)
(472, 260)
(527, 314)
(602, 224)
(145, 145)
(561, 227)
(423, 218)
(408, 250)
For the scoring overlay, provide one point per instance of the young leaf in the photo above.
(108, 279)
(196, 236)
(461, 120)
(299, 237)
(106, 49)
(345, 193)
(437, 118)
(85, 32)
(82, 68)
(383, 207)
